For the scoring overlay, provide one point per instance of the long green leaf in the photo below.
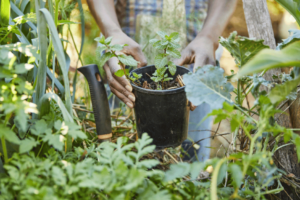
(44, 108)
(42, 69)
(5, 12)
(292, 6)
(60, 56)
(269, 59)
(81, 46)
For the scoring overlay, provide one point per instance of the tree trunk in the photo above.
(260, 27)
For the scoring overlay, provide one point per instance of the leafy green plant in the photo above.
(168, 46)
(107, 51)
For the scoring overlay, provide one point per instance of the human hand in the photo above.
(201, 51)
(120, 86)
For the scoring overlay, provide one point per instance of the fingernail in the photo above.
(128, 87)
(131, 97)
(130, 105)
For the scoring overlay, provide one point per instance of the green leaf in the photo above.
(127, 60)
(100, 39)
(269, 59)
(119, 73)
(104, 58)
(5, 12)
(8, 134)
(60, 54)
(236, 175)
(172, 68)
(77, 134)
(173, 52)
(62, 22)
(242, 48)
(174, 35)
(44, 106)
(208, 85)
(27, 144)
(108, 40)
(39, 127)
(160, 61)
(196, 168)
(57, 141)
(281, 91)
(116, 47)
(152, 41)
(177, 171)
(135, 178)
(292, 6)
(161, 34)
(297, 144)
(28, 50)
(294, 36)
(58, 176)
(147, 164)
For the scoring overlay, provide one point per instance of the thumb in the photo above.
(202, 60)
(138, 55)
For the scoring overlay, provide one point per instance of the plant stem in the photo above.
(40, 150)
(3, 140)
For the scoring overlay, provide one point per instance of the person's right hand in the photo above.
(120, 86)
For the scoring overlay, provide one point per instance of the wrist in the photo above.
(214, 39)
(112, 31)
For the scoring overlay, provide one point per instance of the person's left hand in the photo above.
(201, 51)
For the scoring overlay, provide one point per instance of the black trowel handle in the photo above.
(99, 101)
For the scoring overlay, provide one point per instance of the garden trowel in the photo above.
(99, 101)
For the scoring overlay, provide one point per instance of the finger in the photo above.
(202, 60)
(114, 66)
(123, 98)
(113, 83)
(137, 54)
(186, 58)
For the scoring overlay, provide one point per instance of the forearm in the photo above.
(105, 15)
(219, 12)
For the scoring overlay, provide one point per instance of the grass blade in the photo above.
(60, 56)
(5, 12)
(42, 69)
(81, 46)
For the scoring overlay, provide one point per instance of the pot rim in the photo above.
(157, 92)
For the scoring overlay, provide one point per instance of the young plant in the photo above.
(168, 47)
(107, 51)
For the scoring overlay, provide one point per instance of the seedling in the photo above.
(168, 49)
(114, 51)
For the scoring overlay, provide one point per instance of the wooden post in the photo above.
(260, 27)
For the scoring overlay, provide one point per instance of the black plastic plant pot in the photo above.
(163, 114)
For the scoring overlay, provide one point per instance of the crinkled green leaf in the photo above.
(58, 176)
(160, 61)
(172, 68)
(269, 59)
(282, 91)
(104, 58)
(208, 85)
(100, 39)
(127, 60)
(161, 34)
(152, 41)
(147, 163)
(242, 48)
(173, 52)
(294, 36)
(108, 40)
(116, 47)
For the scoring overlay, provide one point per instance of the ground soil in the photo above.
(168, 85)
